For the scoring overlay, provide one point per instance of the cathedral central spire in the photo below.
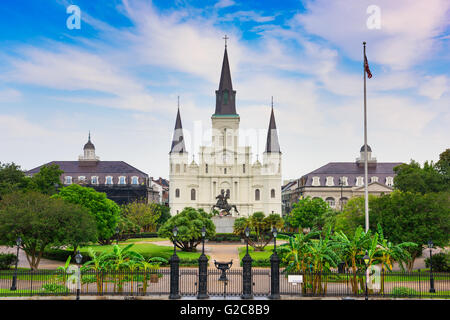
(178, 139)
(225, 96)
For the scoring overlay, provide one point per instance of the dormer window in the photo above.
(81, 178)
(94, 180)
(374, 179)
(389, 181)
(135, 180)
(122, 180)
(109, 180)
(330, 181)
(359, 181)
(316, 181)
(343, 181)
(68, 180)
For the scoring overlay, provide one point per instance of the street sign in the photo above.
(295, 279)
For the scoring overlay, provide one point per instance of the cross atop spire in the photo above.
(225, 38)
(225, 96)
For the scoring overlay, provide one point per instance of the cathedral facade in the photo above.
(224, 167)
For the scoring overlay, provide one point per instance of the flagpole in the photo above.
(366, 193)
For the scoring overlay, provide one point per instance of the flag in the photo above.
(366, 67)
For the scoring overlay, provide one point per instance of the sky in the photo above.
(119, 75)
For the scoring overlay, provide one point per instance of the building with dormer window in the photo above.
(337, 182)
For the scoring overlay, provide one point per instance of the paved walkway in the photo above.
(23, 262)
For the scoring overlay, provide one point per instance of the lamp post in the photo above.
(430, 246)
(247, 271)
(14, 282)
(78, 260)
(203, 270)
(274, 269)
(174, 269)
(366, 262)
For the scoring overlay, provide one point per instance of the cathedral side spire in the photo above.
(225, 96)
(178, 139)
(272, 144)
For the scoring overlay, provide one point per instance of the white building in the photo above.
(224, 165)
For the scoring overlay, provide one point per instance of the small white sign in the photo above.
(295, 279)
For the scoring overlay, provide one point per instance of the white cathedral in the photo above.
(225, 167)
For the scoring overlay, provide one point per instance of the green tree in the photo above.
(261, 226)
(42, 222)
(105, 211)
(142, 214)
(413, 217)
(308, 213)
(443, 166)
(12, 178)
(414, 178)
(189, 222)
(47, 180)
(353, 215)
(165, 215)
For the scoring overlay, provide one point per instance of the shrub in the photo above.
(54, 288)
(6, 260)
(61, 255)
(441, 262)
(219, 237)
(403, 292)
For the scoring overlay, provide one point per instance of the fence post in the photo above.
(274, 276)
(202, 277)
(174, 277)
(247, 277)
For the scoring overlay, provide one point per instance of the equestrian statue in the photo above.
(223, 205)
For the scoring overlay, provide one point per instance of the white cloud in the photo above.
(224, 3)
(407, 35)
(434, 87)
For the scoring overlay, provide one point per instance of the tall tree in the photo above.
(42, 222)
(413, 217)
(308, 213)
(414, 178)
(47, 180)
(142, 214)
(105, 211)
(12, 178)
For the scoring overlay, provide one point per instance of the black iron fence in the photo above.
(417, 284)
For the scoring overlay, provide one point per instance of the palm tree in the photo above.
(322, 256)
(119, 260)
(296, 253)
(151, 265)
(351, 251)
(391, 253)
(97, 264)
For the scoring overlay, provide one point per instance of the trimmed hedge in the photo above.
(6, 260)
(441, 262)
(219, 237)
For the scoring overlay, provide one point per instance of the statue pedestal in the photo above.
(224, 224)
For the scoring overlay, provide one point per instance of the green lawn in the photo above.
(146, 249)
(143, 240)
(256, 255)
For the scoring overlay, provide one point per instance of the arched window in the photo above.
(134, 180)
(330, 201)
(109, 180)
(177, 193)
(272, 193)
(122, 180)
(206, 168)
(257, 194)
(225, 170)
(192, 194)
(243, 168)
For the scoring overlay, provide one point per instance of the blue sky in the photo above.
(120, 74)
